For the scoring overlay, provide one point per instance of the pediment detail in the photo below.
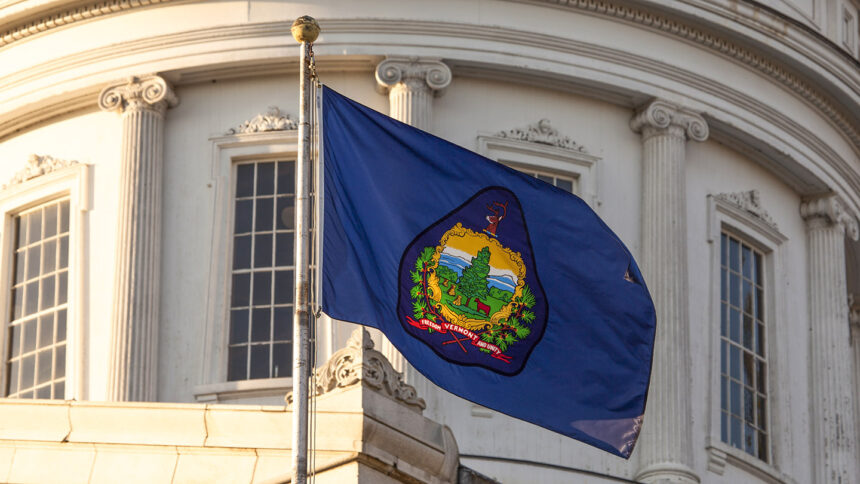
(544, 133)
(272, 120)
(38, 165)
(750, 203)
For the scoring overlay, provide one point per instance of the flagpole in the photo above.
(305, 30)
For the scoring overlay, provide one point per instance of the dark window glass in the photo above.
(743, 386)
(262, 271)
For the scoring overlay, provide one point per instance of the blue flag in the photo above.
(496, 286)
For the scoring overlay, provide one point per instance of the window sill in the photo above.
(272, 390)
(719, 454)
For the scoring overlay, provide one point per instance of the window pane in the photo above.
(259, 361)
(762, 446)
(21, 230)
(46, 330)
(29, 335)
(282, 360)
(284, 287)
(34, 224)
(44, 392)
(286, 177)
(60, 362)
(545, 178)
(723, 350)
(33, 261)
(746, 262)
(565, 185)
(28, 372)
(734, 290)
(263, 217)
(47, 293)
(50, 221)
(262, 288)
(242, 252)
(761, 377)
(44, 363)
(64, 216)
(265, 178)
(734, 325)
(735, 398)
(286, 213)
(284, 250)
(263, 250)
(283, 330)
(749, 439)
(736, 432)
(61, 326)
(261, 325)
(757, 269)
(62, 287)
(14, 341)
(734, 254)
(241, 290)
(245, 180)
(49, 256)
(31, 304)
(13, 378)
(761, 414)
(723, 249)
(17, 303)
(748, 332)
(237, 363)
(749, 370)
(20, 265)
(747, 297)
(64, 252)
(724, 427)
(60, 390)
(749, 406)
(238, 326)
(735, 362)
(243, 216)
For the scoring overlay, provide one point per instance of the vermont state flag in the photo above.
(498, 287)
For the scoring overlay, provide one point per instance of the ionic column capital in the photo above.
(829, 210)
(150, 92)
(659, 117)
(415, 73)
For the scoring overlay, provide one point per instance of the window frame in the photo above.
(72, 182)
(228, 151)
(551, 160)
(728, 215)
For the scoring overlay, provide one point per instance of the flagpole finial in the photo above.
(305, 29)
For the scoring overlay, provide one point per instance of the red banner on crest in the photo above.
(443, 328)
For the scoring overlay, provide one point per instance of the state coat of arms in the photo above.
(469, 287)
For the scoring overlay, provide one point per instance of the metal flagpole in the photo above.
(305, 30)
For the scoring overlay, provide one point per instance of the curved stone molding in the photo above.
(660, 115)
(432, 74)
(749, 202)
(358, 363)
(273, 120)
(147, 92)
(542, 132)
(37, 166)
(830, 209)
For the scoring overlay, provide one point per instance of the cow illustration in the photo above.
(482, 307)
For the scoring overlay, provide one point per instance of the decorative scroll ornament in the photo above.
(659, 115)
(358, 363)
(138, 93)
(417, 73)
(831, 209)
(749, 202)
(273, 120)
(38, 166)
(542, 132)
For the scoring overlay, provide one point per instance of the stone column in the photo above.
(133, 368)
(665, 444)
(854, 318)
(833, 437)
(411, 84)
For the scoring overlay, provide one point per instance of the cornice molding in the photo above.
(748, 202)
(43, 21)
(272, 120)
(831, 210)
(359, 364)
(137, 93)
(658, 116)
(543, 133)
(37, 166)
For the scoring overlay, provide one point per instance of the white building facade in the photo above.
(147, 150)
